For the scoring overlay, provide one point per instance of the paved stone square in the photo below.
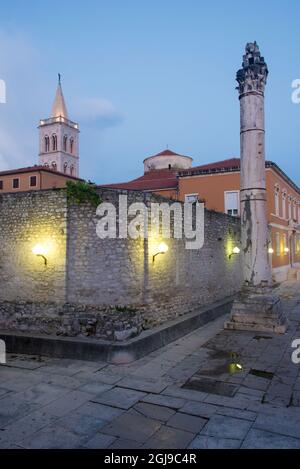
(153, 402)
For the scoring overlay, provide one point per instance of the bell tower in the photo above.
(59, 138)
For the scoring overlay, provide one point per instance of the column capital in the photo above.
(252, 77)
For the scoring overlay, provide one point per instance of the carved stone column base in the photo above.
(257, 309)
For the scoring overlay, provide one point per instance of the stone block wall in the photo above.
(104, 288)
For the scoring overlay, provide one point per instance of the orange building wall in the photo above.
(170, 193)
(45, 180)
(211, 188)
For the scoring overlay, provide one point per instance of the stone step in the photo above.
(292, 273)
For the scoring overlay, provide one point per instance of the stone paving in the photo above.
(181, 396)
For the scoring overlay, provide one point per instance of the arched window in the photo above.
(65, 143)
(276, 194)
(54, 166)
(65, 167)
(54, 142)
(72, 170)
(47, 143)
(71, 145)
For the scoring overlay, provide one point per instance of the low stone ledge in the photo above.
(103, 350)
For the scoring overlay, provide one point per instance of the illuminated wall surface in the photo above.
(50, 256)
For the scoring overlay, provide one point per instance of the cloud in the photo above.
(98, 112)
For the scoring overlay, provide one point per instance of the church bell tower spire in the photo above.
(59, 138)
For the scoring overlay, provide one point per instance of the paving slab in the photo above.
(260, 439)
(154, 411)
(226, 427)
(133, 426)
(25, 426)
(101, 411)
(212, 442)
(276, 424)
(169, 438)
(119, 397)
(121, 443)
(189, 423)
(82, 424)
(200, 409)
(67, 403)
(53, 437)
(167, 401)
(142, 384)
(99, 441)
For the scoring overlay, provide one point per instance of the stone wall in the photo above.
(102, 287)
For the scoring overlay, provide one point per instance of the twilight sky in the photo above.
(140, 74)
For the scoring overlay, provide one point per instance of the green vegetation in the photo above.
(80, 192)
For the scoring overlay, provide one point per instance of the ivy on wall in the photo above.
(80, 192)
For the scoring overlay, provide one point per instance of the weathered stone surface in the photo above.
(260, 439)
(103, 290)
(226, 427)
(168, 438)
(119, 397)
(167, 401)
(154, 411)
(186, 422)
(142, 384)
(99, 441)
(103, 412)
(132, 426)
(213, 442)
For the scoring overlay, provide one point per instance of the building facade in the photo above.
(32, 178)
(218, 184)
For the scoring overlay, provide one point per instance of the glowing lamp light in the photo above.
(40, 251)
(236, 250)
(286, 250)
(162, 249)
(270, 250)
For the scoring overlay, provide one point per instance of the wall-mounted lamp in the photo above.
(235, 250)
(40, 251)
(162, 249)
(270, 250)
(286, 250)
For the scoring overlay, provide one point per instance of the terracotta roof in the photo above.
(167, 152)
(232, 164)
(30, 169)
(151, 181)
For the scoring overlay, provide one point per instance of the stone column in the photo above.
(257, 307)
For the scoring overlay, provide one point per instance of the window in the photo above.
(1, 185)
(65, 167)
(65, 143)
(54, 142)
(71, 145)
(277, 200)
(290, 207)
(32, 181)
(72, 170)
(54, 167)
(277, 243)
(47, 143)
(294, 210)
(191, 198)
(284, 205)
(16, 183)
(232, 203)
